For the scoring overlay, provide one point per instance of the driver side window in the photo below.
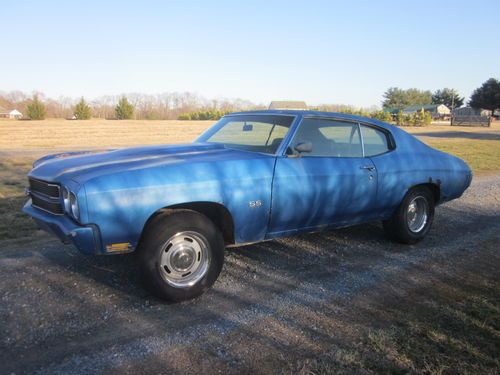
(330, 138)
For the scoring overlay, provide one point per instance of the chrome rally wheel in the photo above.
(417, 214)
(185, 259)
(412, 220)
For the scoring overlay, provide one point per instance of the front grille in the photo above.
(45, 188)
(46, 196)
(53, 207)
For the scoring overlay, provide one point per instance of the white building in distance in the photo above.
(10, 114)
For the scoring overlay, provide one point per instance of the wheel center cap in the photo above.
(183, 259)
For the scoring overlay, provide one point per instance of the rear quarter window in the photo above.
(375, 141)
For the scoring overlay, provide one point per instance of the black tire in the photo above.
(398, 228)
(161, 236)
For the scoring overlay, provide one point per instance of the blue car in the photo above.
(253, 176)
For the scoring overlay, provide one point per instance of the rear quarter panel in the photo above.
(414, 163)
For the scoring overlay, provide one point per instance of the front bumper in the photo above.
(87, 239)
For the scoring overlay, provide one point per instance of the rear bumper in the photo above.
(87, 239)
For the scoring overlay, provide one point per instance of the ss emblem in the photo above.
(255, 204)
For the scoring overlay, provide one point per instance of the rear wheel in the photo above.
(413, 218)
(181, 254)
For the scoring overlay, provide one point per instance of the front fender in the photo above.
(120, 204)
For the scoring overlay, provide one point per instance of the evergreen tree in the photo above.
(82, 110)
(448, 97)
(487, 96)
(124, 110)
(36, 109)
(398, 98)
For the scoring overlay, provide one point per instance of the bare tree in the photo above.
(162, 106)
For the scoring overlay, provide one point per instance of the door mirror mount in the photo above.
(302, 147)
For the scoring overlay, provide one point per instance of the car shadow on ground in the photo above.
(289, 255)
(120, 272)
(457, 134)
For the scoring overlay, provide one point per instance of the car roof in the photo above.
(296, 112)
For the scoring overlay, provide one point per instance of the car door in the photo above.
(332, 184)
(377, 145)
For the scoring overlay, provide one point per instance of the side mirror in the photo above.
(303, 147)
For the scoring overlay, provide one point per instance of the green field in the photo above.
(483, 156)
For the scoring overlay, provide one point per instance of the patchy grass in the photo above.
(454, 331)
(451, 326)
(13, 222)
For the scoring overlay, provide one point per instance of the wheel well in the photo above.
(216, 212)
(434, 188)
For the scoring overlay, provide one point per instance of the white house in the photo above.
(12, 114)
(436, 110)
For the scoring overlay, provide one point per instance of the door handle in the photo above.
(368, 167)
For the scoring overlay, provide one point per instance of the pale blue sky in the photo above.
(344, 52)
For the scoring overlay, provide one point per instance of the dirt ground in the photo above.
(346, 301)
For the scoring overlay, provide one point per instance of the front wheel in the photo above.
(181, 254)
(413, 218)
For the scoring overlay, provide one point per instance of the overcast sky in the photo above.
(343, 52)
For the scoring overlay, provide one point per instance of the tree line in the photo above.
(36, 110)
(487, 96)
(418, 118)
(188, 106)
(165, 106)
(398, 99)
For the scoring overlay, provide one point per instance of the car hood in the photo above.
(80, 166)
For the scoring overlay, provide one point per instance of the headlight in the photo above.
(75, 211)
(67, 204)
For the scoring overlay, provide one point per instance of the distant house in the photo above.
(11, 114)
(436, 110)
(288, 104)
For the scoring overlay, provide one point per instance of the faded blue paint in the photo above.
(119, 190)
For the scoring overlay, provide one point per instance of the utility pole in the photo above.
(452, 106)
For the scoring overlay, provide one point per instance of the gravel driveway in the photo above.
(275, 304)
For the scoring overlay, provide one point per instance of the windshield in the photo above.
(257, 133)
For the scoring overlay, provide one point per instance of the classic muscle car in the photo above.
(253, 176)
